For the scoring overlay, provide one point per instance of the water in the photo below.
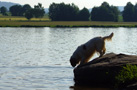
(38, 58)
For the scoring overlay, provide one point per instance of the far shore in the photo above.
(48, 23)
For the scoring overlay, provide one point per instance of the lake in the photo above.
(38, 58)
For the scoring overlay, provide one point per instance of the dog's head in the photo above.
(73, 61)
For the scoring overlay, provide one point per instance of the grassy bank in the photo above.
(12, 21)
(45, 23)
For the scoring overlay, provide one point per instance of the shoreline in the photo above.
(66, 24)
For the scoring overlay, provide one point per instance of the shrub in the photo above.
(127, 75)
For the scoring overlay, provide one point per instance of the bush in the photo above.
(127, 75)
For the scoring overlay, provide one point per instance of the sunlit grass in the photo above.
(19, 18)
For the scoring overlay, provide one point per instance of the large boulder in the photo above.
(101, 72)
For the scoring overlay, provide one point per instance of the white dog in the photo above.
(85, 51)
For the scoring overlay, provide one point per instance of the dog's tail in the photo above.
(108, 37)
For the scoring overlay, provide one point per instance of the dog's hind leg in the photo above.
(101, 53)
(101, 49)
(104, 50)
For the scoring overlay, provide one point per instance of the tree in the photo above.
(25, 8)
(28, 14)
(116, 12)
(104, 13)
(16, 10)
(135, 10)
(94, 14)
(38, 11)
(84, 14)
(128, 13)
(3, 10)
(53, 12)
(63, 12)
(105, 4)
(74, 12)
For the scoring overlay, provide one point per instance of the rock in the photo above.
(101, 72)
(131, 86)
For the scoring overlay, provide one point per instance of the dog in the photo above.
(85, 51)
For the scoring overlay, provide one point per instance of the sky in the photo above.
(80, 3)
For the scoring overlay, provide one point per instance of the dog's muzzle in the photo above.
(73, 62)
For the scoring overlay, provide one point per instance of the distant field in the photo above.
(18, 18)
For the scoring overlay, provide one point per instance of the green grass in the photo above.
(120, 18)
(128, 75)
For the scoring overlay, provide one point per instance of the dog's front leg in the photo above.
(101, 53)
(82, 61)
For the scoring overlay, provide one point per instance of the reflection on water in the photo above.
(38, 58)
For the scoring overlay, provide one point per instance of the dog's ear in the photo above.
(84, 47)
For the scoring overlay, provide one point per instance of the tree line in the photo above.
(71, 12)
(67, 12)
(25, 10)
(105, 12)
(130, 12)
